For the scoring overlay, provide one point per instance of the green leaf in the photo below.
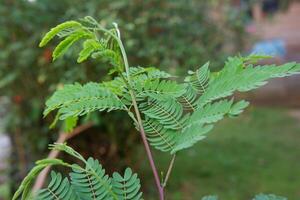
(199, 79)
(238, 108)
(188, 99)
(159, 87)
(25, 186)
(190, 135)
(64, 45)
(58, 189)
(110, 56)
(253, 58)
(27, 182)
(92, 182)
(210, 113)
(69, 124)
(89, 46)
(77, 100)
(236, 76)
(214, 112)
(126, 187)
(65, 148)
(54, 31)
(167, 112)
(159, 137)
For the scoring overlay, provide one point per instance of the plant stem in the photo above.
(169, 171)
(140, 123)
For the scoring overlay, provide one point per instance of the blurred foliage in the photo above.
(173, 34)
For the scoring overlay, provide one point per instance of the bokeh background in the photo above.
(258, 152)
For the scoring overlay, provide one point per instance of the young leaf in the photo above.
(89, 46)
(108, 55)
(64, 45)
(54, 31)
(25, 186)
(69, 124)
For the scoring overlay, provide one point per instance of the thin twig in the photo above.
(169, 170)
(63, 137)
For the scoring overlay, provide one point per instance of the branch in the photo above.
(63, 137)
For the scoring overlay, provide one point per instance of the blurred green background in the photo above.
(258, 152)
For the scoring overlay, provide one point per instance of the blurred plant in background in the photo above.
(160, 30)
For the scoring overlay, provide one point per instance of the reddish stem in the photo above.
(147, 147)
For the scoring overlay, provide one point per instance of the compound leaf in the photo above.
(89, 46)
(91, 182)
(235, 76)
(77, 100)
(64, 45)
(59, 188)
(54, 31)
(199, 79)
(159, 137)
(126, 187)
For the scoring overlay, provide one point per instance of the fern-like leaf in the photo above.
(126, 187)
(89, 46)
(91, 183)
(199, 79)
(159, 137)
(188, 99)
(157, 87)
(77, 100)
(54, 31)
(59, 188)
(64, 45)
(27, 182)
(140, 74)
(110, 56)
(238, 108)
(167, 112)
(196, 128)
(190, 135)
(214, 112)
(235, 76)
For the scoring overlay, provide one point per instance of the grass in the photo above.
(256, 153)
